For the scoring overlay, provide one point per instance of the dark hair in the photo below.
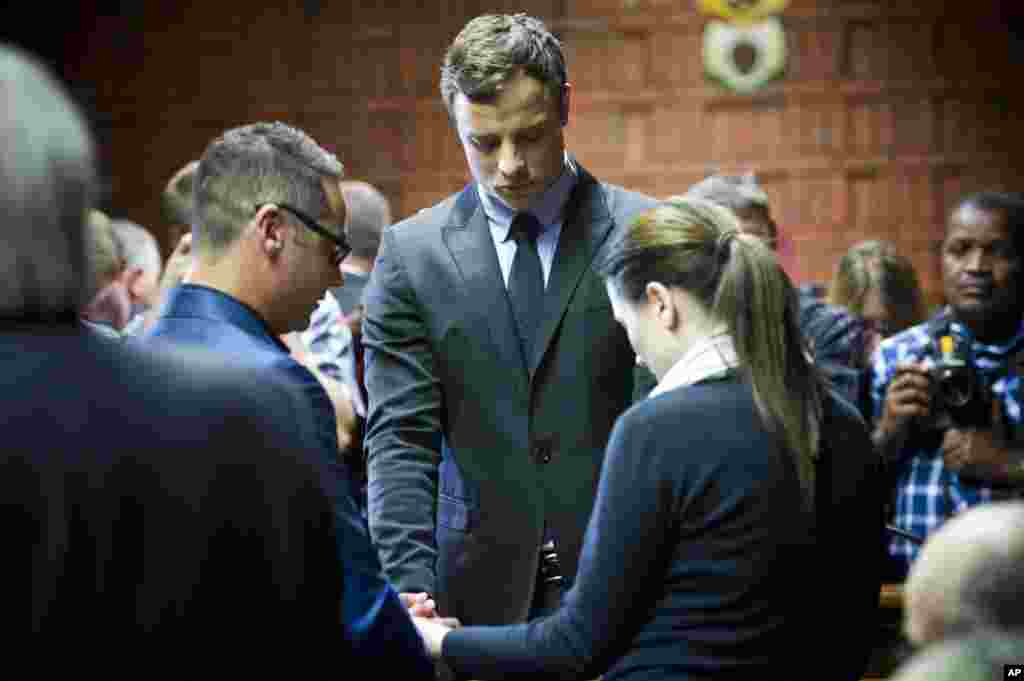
(696, 245)
(254, 164)
(491, 49)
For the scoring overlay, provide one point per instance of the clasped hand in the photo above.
(431, 626)
(981, 453)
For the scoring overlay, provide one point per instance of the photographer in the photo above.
(946, 394)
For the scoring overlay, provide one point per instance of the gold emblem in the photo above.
(742, 11)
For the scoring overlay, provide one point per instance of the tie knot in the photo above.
(524, 226)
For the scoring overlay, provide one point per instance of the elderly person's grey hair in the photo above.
(968, 576)
(139, 246)
(47, 182)
(738, 193)
(978, 657)
(252, 165)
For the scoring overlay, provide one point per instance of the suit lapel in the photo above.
(584, 229)
(468, 238)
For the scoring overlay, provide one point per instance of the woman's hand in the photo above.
(432, 631)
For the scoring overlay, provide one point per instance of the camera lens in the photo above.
(955, 386)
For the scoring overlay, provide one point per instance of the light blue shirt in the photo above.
(548, 208)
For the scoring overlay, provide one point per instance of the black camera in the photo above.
(959, 398)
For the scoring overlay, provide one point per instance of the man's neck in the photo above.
(232, 280)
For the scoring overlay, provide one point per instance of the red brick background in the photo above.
(887, 113)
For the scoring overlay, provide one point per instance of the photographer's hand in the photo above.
(984, 453)
(907, 398)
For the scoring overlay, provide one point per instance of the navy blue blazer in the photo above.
(701, 561)
(159, 506)
(372, 613)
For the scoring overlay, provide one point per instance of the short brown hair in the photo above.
(491, 49)
(254, 164)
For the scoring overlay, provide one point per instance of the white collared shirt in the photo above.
(708, 356)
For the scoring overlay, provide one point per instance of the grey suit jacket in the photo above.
(471, 451)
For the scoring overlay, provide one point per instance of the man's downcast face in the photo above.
(514, 144)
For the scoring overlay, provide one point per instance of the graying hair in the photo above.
(139, 246)
(48, 181)
(989, 597)
(738, 193)
(491, 48)
(254, 164)
(369, 212)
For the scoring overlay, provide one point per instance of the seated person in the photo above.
(951, 443)
(736, 510)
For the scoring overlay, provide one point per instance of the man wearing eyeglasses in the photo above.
(268, 240)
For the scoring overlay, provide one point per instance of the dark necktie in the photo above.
(526, 281)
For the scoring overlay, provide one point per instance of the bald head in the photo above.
(369, 212)
(969, 575)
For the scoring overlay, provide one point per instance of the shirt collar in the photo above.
(709, 356)
(984, 348)
(548, 207)
(203, 302)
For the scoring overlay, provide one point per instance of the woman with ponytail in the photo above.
(737, 531)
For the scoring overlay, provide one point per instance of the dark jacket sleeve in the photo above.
(403, 429)
(379, 628)
(626, 554)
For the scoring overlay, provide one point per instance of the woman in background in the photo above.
(737, 530)
(880, 286)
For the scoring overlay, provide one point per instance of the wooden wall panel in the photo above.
(886, 115)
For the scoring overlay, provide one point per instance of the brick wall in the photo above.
(887, 113)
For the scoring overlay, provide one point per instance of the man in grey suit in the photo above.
(494, 367)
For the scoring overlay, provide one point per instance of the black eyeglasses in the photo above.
(341, 245)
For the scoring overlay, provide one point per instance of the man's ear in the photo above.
(133, 280)
(270, 229)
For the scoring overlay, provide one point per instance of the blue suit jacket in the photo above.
(374, 617)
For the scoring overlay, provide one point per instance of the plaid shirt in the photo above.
(329, 343)
(926, 492)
